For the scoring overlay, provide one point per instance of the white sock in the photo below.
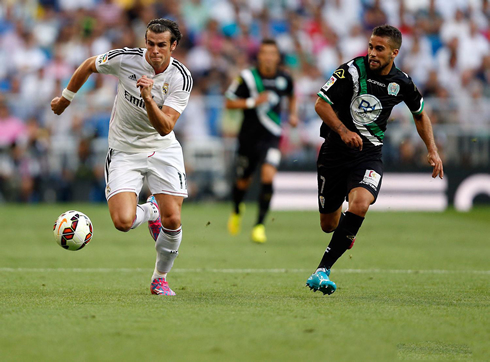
(167, 246)
(145, 212)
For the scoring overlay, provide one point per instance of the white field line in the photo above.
(239, 271)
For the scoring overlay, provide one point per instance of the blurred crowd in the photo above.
(54, 158)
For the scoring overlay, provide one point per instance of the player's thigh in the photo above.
(122, 208)
(367, 175)
(332, 188)
(124, 172)
(267, 173)
(166, 172)
(247, 159)
(170, 209)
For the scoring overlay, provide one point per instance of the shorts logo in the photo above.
(371, 178)
(393, 89)
(322, 201)
(339, 73)
(165, 88)
(107, 190)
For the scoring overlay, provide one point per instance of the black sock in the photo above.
(342, 239)
(265, 197)
(237, 196)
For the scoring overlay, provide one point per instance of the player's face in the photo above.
(159, 48)
(268, 57)
(380, 54)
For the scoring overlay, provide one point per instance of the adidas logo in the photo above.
(132, 77)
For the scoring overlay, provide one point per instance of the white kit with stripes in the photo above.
(130, 129)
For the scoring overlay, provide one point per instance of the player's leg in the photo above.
(168, 241)
(167, 181)
(246, 163)
(124, 179)
(332, 189)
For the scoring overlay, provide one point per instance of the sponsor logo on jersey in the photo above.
(393, 89)
(365, 109)
(281, 83)
(165, 88)
(138, 102)
(132, 77)
(376, 82)
(371, 178)
(339, 73)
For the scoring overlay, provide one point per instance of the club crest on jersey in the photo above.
(339, 73)
(393, 89)
(165, 88)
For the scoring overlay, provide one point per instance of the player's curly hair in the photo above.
(391, 32)
(162, 25)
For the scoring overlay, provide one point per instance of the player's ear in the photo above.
(395, 53)
(173, 46)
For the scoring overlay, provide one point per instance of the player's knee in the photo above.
(171, 221)
(328, 226)
(359, 208)
(122, 223)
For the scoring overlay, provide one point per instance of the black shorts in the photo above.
(252, 154)
(338, 174)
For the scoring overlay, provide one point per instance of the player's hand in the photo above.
(351, 139)
(59, 104)
(436, 162)
(262, 98)
(293, 120)
(145, 85)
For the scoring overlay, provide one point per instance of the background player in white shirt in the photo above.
(153, 91)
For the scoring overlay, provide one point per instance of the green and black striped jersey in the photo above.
(264, 120)
(363, 101)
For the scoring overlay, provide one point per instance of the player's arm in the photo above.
(78, 79)
(293, 111)
(329, 117)
(247, 103)
(424, 129)
(163, 120)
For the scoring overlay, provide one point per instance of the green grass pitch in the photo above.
(416, 286)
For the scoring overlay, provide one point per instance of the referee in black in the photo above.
(355, 104)
(259, 92)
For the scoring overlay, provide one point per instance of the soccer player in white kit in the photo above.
(153, 91)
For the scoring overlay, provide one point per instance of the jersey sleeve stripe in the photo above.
(325, 98)
(187, 78)
(125, 53)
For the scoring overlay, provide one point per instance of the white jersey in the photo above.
(130, 129)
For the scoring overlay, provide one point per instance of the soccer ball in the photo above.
(73, 230)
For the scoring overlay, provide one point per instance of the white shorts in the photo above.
(164, 171)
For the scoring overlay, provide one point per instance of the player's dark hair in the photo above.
(391, 32)
(269, 41)
(162, 25)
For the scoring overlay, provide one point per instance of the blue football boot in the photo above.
(320, 281)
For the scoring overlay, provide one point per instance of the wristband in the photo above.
(68, 94)
(250, 103)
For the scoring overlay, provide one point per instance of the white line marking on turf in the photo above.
(240, 271)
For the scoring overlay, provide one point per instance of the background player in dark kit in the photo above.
(259, 92)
